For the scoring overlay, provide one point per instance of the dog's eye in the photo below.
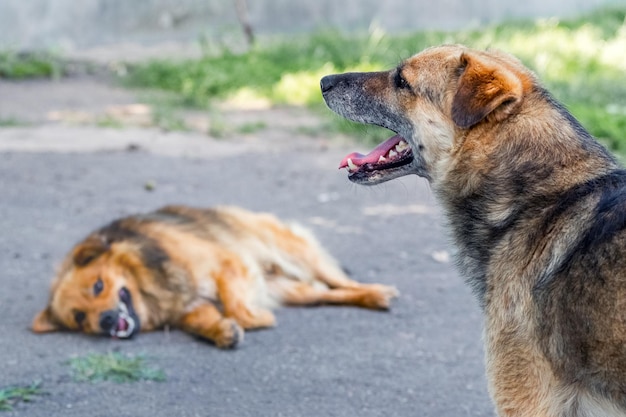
(79, 316)
(400, 82)
(98, 287)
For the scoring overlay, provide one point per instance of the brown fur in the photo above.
(210, 272)
(537, 209)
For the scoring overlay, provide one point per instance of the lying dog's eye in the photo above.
(400, 82)
(98, 286)
(79, 317)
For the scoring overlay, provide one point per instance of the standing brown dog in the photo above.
(537, 209)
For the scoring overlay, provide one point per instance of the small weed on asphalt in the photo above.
(252, 127)
(114, 367)
(11, 122)
(10, 396)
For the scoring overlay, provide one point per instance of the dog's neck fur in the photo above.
(485, 201)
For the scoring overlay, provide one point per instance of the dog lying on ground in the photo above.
(211, 272)
(537, 209)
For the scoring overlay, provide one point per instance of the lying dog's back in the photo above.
(259, 239)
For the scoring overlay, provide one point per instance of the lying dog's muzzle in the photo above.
(108, 320)
(123, 322)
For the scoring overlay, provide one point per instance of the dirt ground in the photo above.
(78, 152)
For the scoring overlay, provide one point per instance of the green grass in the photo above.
(11, 122)
(109, 122)
(11, 396)
(113, 367)
(252, 127)
(167, 119)
(582, 61)
(21, 65)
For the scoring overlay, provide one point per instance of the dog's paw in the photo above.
(231, 334)
(266, 318)
(256, 319)
(379, 296)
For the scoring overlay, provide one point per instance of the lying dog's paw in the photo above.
(231, 334)
(379, 296)
(265, 318)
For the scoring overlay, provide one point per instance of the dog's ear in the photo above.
(45, 322)
(88, 250)
(485, 87)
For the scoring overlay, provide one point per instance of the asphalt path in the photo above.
(422, 358)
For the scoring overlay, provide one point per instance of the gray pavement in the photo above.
(423, 358)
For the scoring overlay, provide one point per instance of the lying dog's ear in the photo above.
(485, 87)
(45, 322)
(89, 249)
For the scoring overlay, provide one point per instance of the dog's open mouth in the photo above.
(127, 323)
(394, 153)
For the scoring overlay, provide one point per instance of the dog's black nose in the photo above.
(108, 319)
(328, 82)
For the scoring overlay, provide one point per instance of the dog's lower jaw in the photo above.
(374, 177)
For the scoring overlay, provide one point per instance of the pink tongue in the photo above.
(121, 324)
(359, 159)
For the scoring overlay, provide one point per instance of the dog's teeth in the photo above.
(392, 153)
(401, 146)
(351, 165)
(381, 159)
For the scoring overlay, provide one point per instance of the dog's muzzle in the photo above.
(123, 322)
(328, 82)
(347, 95)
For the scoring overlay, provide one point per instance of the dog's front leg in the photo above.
(521, 381)
(237, 289)
(208, 322)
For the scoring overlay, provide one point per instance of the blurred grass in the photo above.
(582, 61)
(10, 396)
(113, 367)
(21, 65)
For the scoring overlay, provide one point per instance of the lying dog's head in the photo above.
(429, 100)
(94, 292)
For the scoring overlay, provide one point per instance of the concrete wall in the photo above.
(76, 24)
